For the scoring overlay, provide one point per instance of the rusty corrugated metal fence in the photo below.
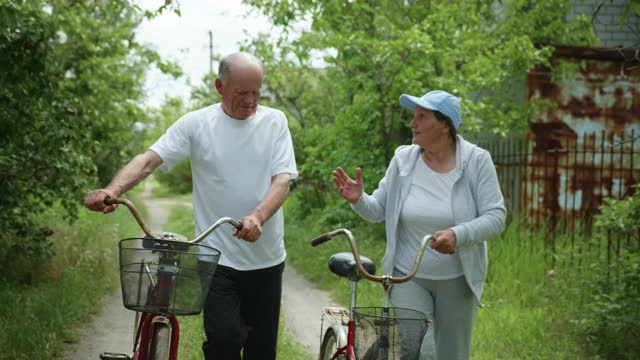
(561, 186)
(579, 151)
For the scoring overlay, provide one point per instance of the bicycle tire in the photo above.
(161, 343)
(329, 345)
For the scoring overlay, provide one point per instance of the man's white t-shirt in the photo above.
(232, 162)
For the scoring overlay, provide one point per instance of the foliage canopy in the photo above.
(347, 114)
(70, 94)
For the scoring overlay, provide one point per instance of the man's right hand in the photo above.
(349, 189)
(95, 201)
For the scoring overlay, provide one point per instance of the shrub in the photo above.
(178, 179)
(611, 313)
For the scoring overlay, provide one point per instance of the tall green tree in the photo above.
(71, 74)
(376, 50)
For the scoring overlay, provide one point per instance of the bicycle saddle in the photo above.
(343, 264)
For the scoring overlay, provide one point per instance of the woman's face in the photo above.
(426, 128)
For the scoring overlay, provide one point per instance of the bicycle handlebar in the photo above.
(354, 249)
(111, 201)
(237, 224)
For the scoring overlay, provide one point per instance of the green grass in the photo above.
(37, 320)
(159, 190)
(525, 314)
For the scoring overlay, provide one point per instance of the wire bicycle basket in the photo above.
(165, 276)
(388, 333)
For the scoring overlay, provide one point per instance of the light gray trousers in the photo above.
(450, 304)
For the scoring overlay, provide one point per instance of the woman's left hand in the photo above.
(444, 241)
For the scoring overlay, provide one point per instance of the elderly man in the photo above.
(241, 161)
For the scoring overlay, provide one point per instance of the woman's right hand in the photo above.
(349, 189)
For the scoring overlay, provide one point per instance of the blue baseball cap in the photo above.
(437, 100)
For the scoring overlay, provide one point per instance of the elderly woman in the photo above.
(448, 187)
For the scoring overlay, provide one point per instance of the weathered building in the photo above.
(586, 147)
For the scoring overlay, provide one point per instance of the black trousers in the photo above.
(241, 314)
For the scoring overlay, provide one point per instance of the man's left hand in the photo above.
(444, 241)
(251, 229)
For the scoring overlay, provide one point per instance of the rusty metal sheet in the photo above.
(584, 150)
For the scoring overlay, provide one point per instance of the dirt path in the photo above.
(302, 307)
(111, 330)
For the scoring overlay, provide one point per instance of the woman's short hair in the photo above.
(445, 119)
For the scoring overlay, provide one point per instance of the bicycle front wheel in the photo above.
(161, 343)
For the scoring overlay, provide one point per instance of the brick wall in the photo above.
(606, 23)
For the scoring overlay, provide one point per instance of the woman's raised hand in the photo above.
(349, 189)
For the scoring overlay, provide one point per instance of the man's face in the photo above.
(240, 92)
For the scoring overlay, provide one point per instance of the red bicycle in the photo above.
(369, 333)
(163, 275)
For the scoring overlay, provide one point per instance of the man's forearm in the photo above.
(135, 171)
(274, 199)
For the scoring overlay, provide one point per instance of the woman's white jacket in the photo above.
(478, 206)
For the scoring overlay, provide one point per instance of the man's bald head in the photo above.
(239, 84)
(237, 60)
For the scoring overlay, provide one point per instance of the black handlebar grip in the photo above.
(320, 239)
(239, 226)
